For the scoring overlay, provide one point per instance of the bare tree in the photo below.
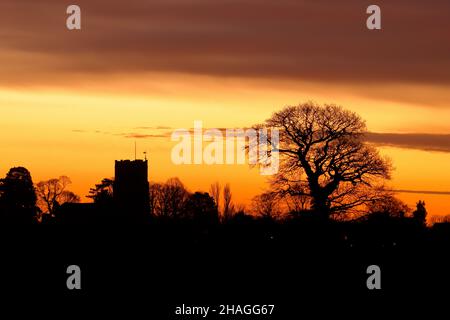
(239, 208)
(68, 197)
(390, 205)
(323, 156)
(228, 206)
(295, 197)
(167, 200)
(214, 190)
(267, 205)
(439, 219)
(52, 193)
(155, 198)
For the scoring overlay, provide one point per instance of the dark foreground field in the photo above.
(147, 271)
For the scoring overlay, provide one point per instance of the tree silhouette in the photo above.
(18, 197)
(228, 206)
(323, 156)
(214, 190)
(102, 193)
(420, 214)
(167, 200)
(390, 205)
(200, 206)
(52, 193)
(439, 219)
(155, 190)
(266, 205)
(295, 198)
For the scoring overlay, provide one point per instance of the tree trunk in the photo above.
(320, 206)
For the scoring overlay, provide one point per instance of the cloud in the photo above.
(153, 128)
(322, 41)
(445, 193)
(144, 128)
(144, 136)
(420, 141)
(133, 135)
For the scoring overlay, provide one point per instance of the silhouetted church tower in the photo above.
(131, 190)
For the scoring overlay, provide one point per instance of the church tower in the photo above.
(131, 190)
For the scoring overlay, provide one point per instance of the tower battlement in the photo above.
(131, 170)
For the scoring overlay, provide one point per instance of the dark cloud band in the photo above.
(313, 40)
(420, 141)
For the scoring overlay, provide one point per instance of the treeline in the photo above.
(176, 214)
(23, 202)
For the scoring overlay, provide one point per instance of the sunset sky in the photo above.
(72, 102)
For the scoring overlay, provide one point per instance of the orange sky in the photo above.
(71, 102)
(54, 132)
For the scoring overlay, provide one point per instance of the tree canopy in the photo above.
(323, 155)
(18, 197)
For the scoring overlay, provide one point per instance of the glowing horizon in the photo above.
(81, 135)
